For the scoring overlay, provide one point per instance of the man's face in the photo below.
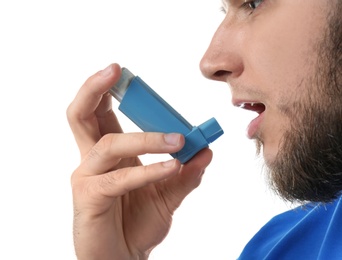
(276, 59)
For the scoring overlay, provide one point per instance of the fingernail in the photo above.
(169, 164)
(107, 71)
(172, 139)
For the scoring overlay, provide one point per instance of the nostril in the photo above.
(221, 73)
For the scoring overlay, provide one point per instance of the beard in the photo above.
(308, 166)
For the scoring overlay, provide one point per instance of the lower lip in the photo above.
(254, 126)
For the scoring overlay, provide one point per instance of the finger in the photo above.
(107, 120)
(107, 153)
(81, 112)
(189, 178)
(119, 182)
(192, 172)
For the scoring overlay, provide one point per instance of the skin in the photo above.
(272, 71)
(289, 73)
(123, 209)
(308, 166)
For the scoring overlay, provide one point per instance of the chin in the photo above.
(269, 154)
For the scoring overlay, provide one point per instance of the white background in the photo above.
(47, 50)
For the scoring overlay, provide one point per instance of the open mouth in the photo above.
(255, 124)
(253, 106)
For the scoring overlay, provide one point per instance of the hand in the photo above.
(123, 209)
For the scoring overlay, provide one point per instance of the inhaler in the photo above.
(141, 104)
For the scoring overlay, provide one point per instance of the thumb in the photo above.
(189, 178)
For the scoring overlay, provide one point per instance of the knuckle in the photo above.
(112, 184)
(95, 152)
(148, 140)
(104, 144)
(77, 182)
(142, 142)
(71, 113)
(106, 141)
(109, 180)
(103, 147)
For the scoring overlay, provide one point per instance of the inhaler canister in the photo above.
(151, 113)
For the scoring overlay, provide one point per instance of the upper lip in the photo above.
(255, 106)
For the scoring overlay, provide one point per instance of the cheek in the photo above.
(281, 51)
(280, 62)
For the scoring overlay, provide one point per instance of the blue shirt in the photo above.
(304, 233)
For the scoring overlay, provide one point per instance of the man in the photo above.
(282, 59)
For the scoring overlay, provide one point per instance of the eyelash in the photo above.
(247, 5)
(223, 10)
(250, 5)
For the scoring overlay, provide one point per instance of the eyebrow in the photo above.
(224, 4)
(227, 3)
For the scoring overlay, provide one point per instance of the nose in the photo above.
(223, 59)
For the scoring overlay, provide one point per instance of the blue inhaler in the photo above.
(151, 113)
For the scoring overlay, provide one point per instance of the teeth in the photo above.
(243, 105)
(253, 106)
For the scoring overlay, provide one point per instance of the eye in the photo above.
(223, 10)
(253, 4)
